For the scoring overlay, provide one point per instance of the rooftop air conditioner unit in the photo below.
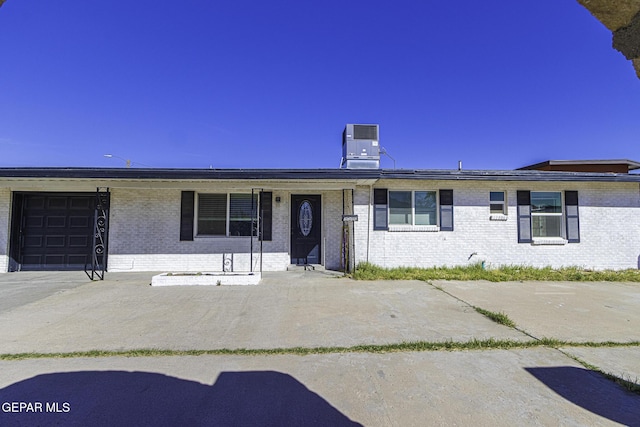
(360, 147)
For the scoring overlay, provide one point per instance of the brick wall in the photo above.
(332, 228)
(609, 229)
(145, 230)
(144, 235)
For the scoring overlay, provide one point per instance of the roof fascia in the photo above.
(323, 177)
(518, 175)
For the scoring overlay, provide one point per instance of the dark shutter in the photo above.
(186, 215)
(524, 216)
(266, 213)
(573, 222)
(380, 211)
(446, 210)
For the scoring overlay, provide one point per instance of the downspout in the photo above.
(369, 220)
(344, 251)
(353, 231)
(261, 225)
(255, 209)
(251, 233)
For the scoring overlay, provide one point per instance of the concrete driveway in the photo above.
(308, 309)
(572, 311)
(536, 386)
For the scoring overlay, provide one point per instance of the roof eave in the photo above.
(358, 176)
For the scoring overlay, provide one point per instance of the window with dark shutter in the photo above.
(573, 222)
(446, 210)
(380, 212)
(524, 216)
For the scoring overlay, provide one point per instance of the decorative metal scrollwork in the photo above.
(227, 263)
(100, 234)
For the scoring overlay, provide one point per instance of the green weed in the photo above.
(500, 318)
(367, 271)
(474, 344)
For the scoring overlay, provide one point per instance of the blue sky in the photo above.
(255, 84)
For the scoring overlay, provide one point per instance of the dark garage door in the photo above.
(56, 231)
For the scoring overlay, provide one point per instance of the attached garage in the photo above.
(52, 231)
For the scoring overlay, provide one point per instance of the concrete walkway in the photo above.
(64, 312)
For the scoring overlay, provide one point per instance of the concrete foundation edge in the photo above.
(205, 279)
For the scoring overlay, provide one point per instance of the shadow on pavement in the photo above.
(591, 391)
(110, 398)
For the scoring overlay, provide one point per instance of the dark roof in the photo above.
(310, 174)
(189, 174)
(507, 175)
(631, 165)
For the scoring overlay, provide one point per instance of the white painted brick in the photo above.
(144, 235)
(609, 229)
(145, 227)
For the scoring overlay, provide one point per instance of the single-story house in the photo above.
(247, 220)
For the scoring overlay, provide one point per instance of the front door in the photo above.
(306, 231)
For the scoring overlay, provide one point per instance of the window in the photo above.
(380, 209)
(242, 214)
(497, 204)
(542, 215)
(546, 214)
(425, 207)
(412, 208)
(221, 214)
(400, 210)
